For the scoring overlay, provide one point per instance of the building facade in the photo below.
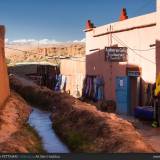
(4, 83)
(74, 71)
(138, 36)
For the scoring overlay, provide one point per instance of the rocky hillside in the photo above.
(14, 53)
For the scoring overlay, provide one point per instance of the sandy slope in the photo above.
(15, 135)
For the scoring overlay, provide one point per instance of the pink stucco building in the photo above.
(74, 70)
(140, 35)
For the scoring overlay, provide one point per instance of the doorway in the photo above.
(135, 93)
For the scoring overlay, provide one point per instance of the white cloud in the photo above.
(75, 41)
(42, 41)
(47, 41)
(83, 40)
(78, 41)
(33, 41)
(24, 41)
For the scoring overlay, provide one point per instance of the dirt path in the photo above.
(15, 135)
(151, 135)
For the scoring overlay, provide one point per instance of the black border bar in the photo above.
(82, 156)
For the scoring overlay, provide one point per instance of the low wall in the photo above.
(81, 125)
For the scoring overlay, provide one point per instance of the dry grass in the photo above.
(82, 126)
(16, 136)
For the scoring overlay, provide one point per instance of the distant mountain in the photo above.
(19, 52)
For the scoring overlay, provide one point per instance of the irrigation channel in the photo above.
(40, 120)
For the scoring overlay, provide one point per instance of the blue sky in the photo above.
(63, 20)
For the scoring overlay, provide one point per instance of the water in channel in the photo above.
(40, 120)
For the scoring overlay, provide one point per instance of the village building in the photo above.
(4, 83)
(42, 73)
(126, 54)
(73, 68)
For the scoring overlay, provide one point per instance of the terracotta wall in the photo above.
(4, 85)
(74, 70)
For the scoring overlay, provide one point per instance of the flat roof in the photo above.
(33, 63)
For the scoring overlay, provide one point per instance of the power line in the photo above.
(141, 50)
(24, 51)
(123, 44)
(20, 50)
(115, 37)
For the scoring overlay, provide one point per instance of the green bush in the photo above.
(76, 140)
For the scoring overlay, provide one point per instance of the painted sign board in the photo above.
(133, 73)
(116, 54)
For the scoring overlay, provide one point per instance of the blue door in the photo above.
(123, 95)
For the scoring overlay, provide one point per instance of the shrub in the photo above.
(108, 106)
